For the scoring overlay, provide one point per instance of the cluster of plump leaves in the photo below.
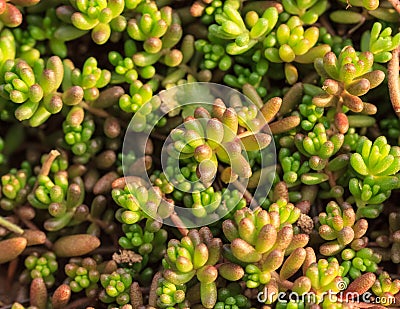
(169, 294)
(339, 227)
(261, 239)
(160, 31)
(211, 138)
(35, 89)
(230, 297)
(149, 242)
(139, 95)
(386, 288)
(78, 132)
(346, 78)
(194, 255)
(308, 11)
(116, 286)
(214, 55)
(137, 202)
(310, 113)
(375, 164)
(355, 263)
(46, 29)
(82, 274)
(242, 34)
(59, 196)
(243, 76)
(15, 186)
(148, 112)
(319, 147)
(41, 266)
(292, 166)
(290, 40)
(380, 42)
(101, 17)
(90, 78)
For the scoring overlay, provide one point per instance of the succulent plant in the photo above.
(375, 163)
(195, 255)
(289, 41)
(78, 132)
(15, 186)
(50, 28)
(42, 266)
(311, 113)
(58, 195)
(148, 242)
(245, 76)
(379, 42)
(130, 198)
(83, 274)
(211, 140)
(340, 228)
(36, 90)
(160, 180)
(319, 149)
(148, 114)
(231, 26)
(90, 78)
(308, 11)
(324, 276)
(385, 288)
(229, 298)
(101, 17)
(170, 294)
(346, 78)
(292, 166)
(116, 287)
(357, 262)
(139, 95)
(214, 56)
(160, 31)
(264, 238)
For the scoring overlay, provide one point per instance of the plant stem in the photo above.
(32, 226)
(11, 226)
(95, 111)
(49, 161)
(393, 80)
(45, 170)
(80, 303)
(242, 189)
(179, 224)
(158, 136)
(325, 22)
(332, 183)
(246, 194)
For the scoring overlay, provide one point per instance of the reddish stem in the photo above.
(179, 224)
(393, 80)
